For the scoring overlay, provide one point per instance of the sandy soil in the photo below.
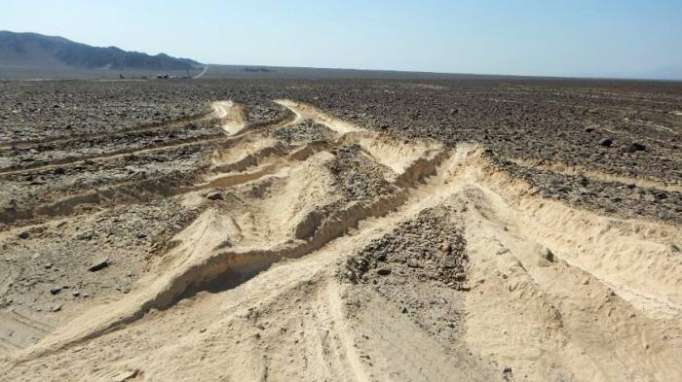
(309, 248)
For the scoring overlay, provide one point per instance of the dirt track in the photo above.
(310, 248)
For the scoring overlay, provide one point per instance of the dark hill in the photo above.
(39, 51)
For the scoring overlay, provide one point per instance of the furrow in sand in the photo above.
(166, 146)
(122, 132)
(559, 168)
(202, 268)
(547, 284)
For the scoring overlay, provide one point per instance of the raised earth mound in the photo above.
(275, 241)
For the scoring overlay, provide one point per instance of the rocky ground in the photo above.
(483, 229)
(419, 267)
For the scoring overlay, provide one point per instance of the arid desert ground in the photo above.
(473, 229)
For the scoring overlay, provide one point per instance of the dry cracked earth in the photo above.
(474, 229)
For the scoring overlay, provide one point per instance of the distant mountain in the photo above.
(32, 50)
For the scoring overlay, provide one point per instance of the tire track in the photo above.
(562, 169)
(531, 311)
(176, 123)
(115, 155)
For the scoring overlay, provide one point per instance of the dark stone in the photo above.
(634, 147)
(384, 271)
(99, 265)
(548, 255)
(215, 195)
(87, 235)
(55, 291)
(606, 142)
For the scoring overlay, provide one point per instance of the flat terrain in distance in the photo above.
(463, 228)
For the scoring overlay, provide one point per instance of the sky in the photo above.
(578, 38)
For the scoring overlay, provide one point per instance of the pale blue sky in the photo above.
(626, 38)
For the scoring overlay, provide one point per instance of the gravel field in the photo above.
(476, 229)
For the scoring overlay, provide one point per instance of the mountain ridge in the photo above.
(30, 49)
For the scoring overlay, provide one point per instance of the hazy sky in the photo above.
(631, 38)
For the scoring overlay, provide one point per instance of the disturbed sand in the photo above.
(307, 247)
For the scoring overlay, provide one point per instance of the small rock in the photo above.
(56, 308)
(548, 255)
(448, 262)
(99, 265)
(85, 235)
(24, 235)
(126, 375)
(633, 147)
(413, 263)
(55, 290)
(384, 271)
(215, 195)
(606, 142)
